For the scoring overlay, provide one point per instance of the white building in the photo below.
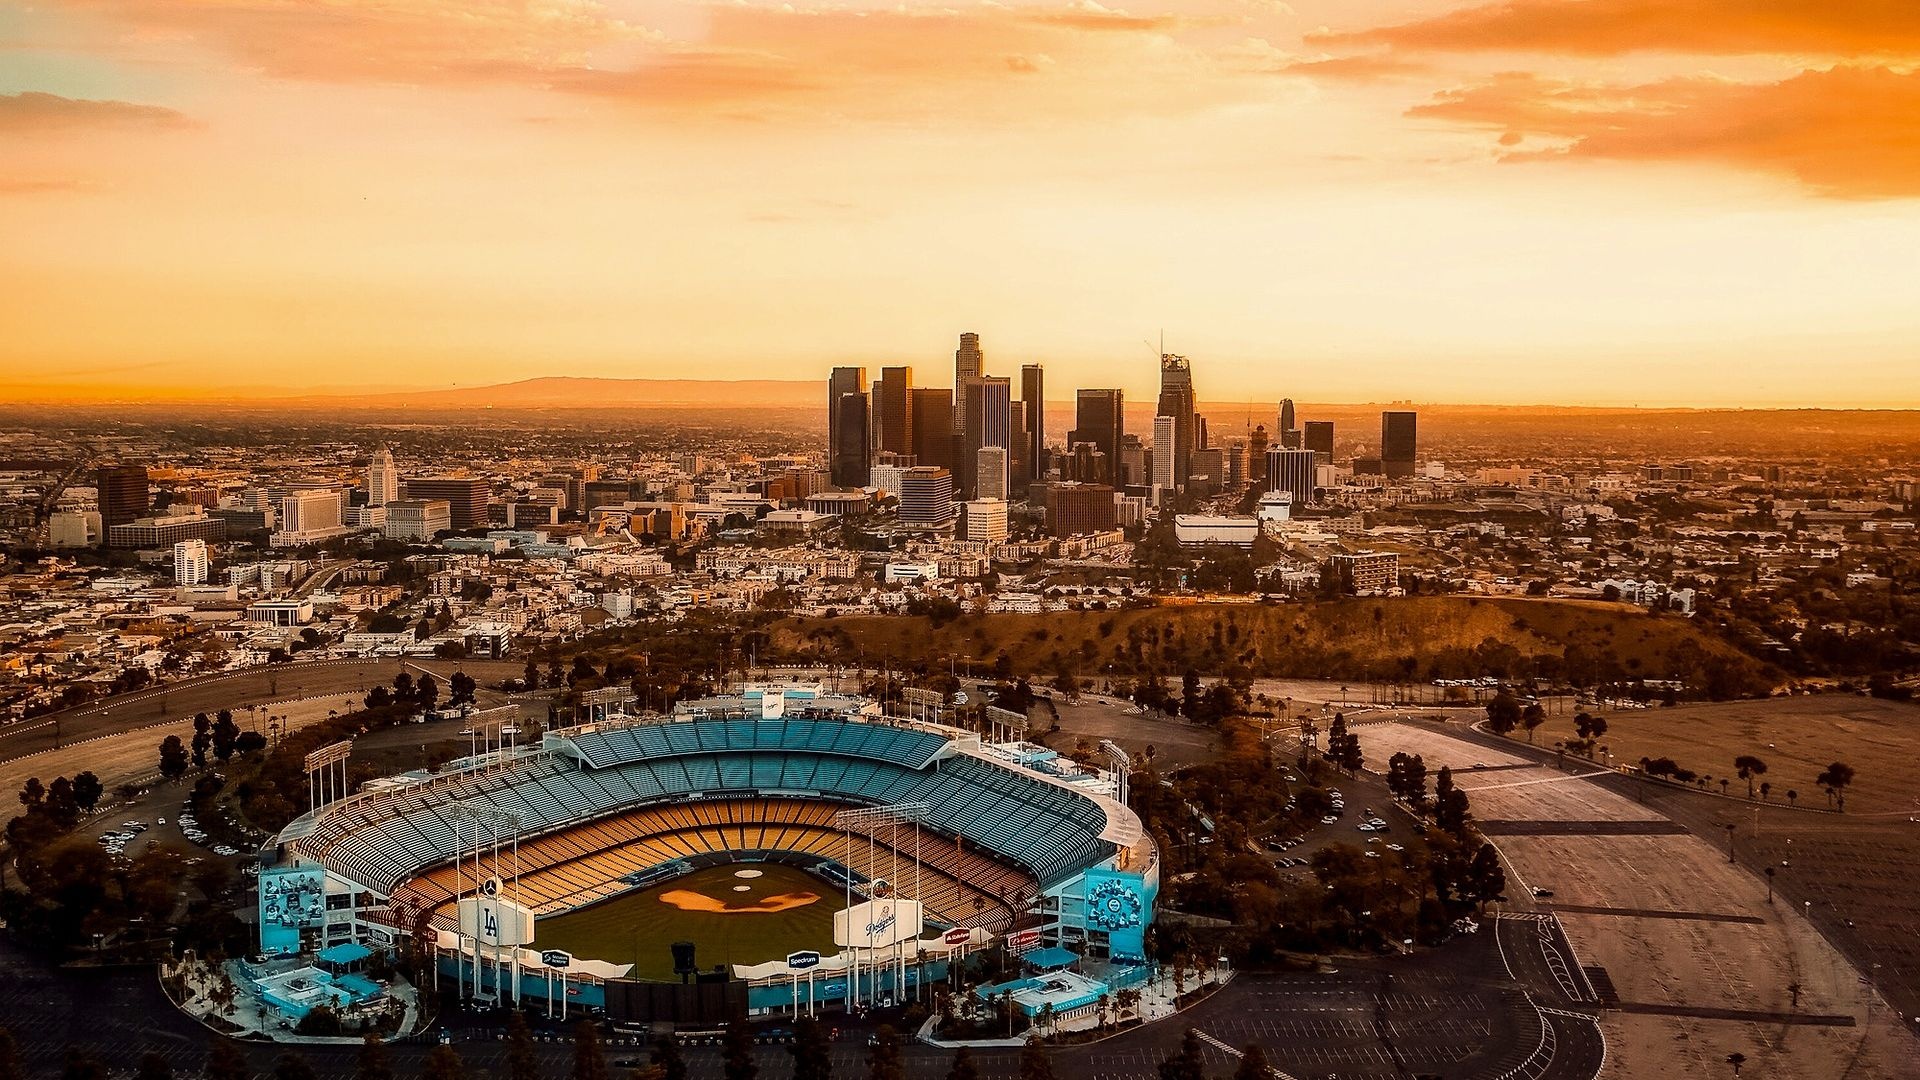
(383, 480)
(1164, 429)
(986, 520)
(75, 529)
(1276, 506)
(190, 562)
(310, 515)
(1201, 530)
(417, 519)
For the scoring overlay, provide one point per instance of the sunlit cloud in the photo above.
(40, 113)
(1848, 131)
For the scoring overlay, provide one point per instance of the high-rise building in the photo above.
(1079, 508)
(933, 426)
(926, 497)
(1257, 456)
(1319, 439)
(417, 519)
(986, 520)
(968, 364)
(1292, 471)
(1033, 398)
(123, 493)
(190, 562)
(849, 427)
(989, 422)
(992, 473)
(1099, 418)
(466, 497)
(1177, 403)
(1166, 433)
(893, 410)
(1397, 443)
(310, 510)
(383, 480)
(1286, 417)
(1131, 470)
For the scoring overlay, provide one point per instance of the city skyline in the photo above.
(1537, 201)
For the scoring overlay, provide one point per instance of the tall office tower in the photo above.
(383, 480)
(1033, 397)
(992, 473)
(190, 562)
(1292, 471)
(123, 494)
(1099, 417)
(986, 521)
(1176, 403)
(893, 410)
(1286, 417)
(1166, 433)
(933, 426)
(1319, 439)
(926, 497)
(1257, 456)
(989, 422)
(968, 364)
(1131, 469)
(311, 510)
(1236, 464)
(1397, 443)
(1074, 508)
(466, 497)
(852, 464)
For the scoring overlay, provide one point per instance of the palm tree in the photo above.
(1736, 1059)
(1792, 797)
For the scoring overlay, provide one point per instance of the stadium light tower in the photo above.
(1122, 767)
(870, 820)
(498, 823)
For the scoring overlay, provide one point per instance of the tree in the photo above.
(225, 734)
(32, 793)
(1532, 717)
(1186, 1063)
(293, 1065)
(1503, 713)
(153, 1066)
(1749, 767)
(522, 1063)
(372, 1063)
(883, 1057)
(82, 1065)
(1589, 726)
(1034, 1062)
(173, 758)
(736, 1051)
(1486, 881)
(9, 1057)
(588, 1062)
(444, 1063)
(812, 1054)
(666, 1050)
(87, 790)
(225, 1062)
(963, 1067)
(1736, 1059)
(1835, 780)
(1449, 804)
(1253, 1064)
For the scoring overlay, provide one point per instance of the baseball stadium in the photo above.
(797, 849)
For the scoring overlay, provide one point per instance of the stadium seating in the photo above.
(615, 799)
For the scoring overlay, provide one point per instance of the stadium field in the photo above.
(741, 913)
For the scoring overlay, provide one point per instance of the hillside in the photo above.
(567, 392)
(1415, 638)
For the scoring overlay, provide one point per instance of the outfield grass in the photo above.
(637, 928)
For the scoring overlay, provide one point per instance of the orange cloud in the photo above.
(37, 112)
(1359, 67)
(1840, 28)
(1848, 131)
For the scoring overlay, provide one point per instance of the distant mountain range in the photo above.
(563, 392)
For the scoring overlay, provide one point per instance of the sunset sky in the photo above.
(1572, 201)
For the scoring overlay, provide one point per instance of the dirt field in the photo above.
(1680, 928)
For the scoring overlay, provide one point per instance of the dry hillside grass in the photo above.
(1413, 638)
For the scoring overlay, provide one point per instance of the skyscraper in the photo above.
(383, 480)
(893, 410)
(933, 426)
(1293, 471)
(991, 473)
(122, 494)
(849, 428)
(190, 562)
(1033, 398)
(968, 364)
(852, 454)
(1289, 431)
(1286, 414)
(1397, 443)
(466, 497)
(1176, 402)
(1166, 433)
(1257, 456)
(1099, 417)
(926, 497)
(1319, 439)
(989, 422)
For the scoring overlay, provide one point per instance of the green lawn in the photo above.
(637, 928)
